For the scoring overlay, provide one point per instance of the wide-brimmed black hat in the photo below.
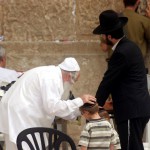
(109, 21)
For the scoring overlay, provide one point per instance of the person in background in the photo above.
(98, 132)
(125, 79)
(6, 75)
(35, 99)
(137, 28)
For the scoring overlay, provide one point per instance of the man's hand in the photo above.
(88, 99)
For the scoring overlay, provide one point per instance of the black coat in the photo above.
(125, 79)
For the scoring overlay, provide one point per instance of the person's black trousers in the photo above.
(131, 133)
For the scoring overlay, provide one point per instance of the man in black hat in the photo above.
(125, 79)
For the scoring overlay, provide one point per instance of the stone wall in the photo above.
(43, 32)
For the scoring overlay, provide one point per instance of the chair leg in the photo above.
(55, 127)
(1, 147)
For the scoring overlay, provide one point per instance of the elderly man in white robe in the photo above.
(35, 99)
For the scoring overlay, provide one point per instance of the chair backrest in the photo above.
(36, 139)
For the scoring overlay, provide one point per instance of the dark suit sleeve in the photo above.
(116, 67)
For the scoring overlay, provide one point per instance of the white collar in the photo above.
(114, 47)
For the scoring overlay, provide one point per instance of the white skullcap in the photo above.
(70, 64)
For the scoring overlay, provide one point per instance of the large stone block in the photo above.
(37, 20)
(52, 20)
(26, 55)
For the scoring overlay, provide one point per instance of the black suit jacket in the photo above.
(125, 79)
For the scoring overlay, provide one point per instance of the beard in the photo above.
(108, 42)
(67, 89)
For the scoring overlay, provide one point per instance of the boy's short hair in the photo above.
(91, 108)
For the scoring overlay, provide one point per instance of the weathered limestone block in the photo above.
(38, 20)
(51, 20)
(26, 55)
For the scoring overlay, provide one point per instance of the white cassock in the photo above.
(34, 101)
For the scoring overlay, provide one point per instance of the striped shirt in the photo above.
(98, 134)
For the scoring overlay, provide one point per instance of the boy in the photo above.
(98, 132)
